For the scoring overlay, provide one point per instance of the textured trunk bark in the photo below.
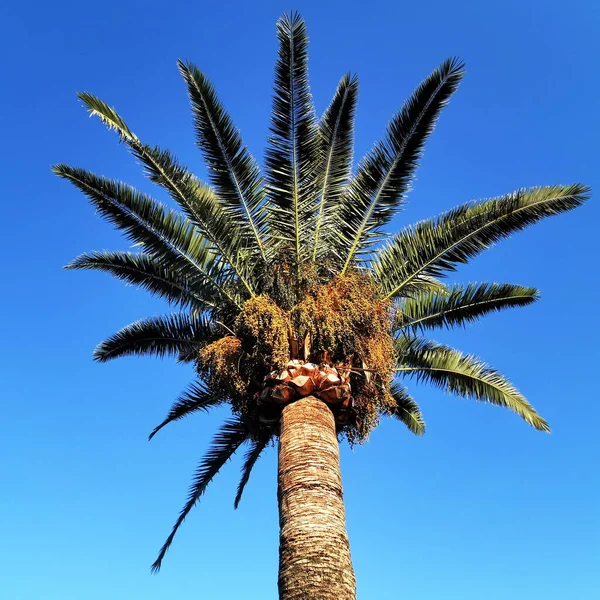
(314, 552)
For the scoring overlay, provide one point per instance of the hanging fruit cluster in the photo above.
(335, 344)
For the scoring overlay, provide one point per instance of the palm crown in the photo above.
(282, 284)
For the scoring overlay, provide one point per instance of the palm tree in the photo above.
(289, 307)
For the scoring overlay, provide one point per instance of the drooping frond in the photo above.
(146, 271)
(230, 236)
(407, 410)
(256, 448)
(460, 305)
(293, 146)
(385, 174)
(435, 246)
(180, 334)
(196, 398)
(166, 234)
(336, 133)
(463, 375)
(232, 169)
(228, 439)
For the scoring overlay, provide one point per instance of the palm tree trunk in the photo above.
(314, 552)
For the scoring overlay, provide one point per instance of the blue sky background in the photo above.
(483, 506)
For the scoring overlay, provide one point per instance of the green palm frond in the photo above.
(196, 398)
(463, 375)
(293, 147)
(407, 410)
(180, 334)
(225, 230)
(168, 235)
(460, 305)
(256, 448)
(336, 132)
(232, 169)
(436, 246)
(385, 174)
(228, 439)
(148, 272)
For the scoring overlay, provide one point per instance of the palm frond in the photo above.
(229, 438)
(109, 116)
(460, 305)
(336, 132)
(164, 233)
(196, 398)
(233, 170)
(256, 448)
(407, 410)
(436, 246)
(180, 334)
(293, 147)
(225, 230)
(463, 375)
(384, 176)
(146, 271)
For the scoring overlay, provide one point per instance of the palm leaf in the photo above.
(228, 439)
(385, 174)
(223, 228)
(463, 375)
(336, 132)
(180, 334)
(146, 271)
(256, 448)
(407, 410)
(436, 246)
(460, 305)
(293, 147)
(164, 233)
(233, 170)
(196, 398)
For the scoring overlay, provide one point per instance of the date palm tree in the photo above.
(292, 303)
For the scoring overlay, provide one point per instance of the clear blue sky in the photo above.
(483, 506)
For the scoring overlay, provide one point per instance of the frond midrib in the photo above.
(293, 132)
